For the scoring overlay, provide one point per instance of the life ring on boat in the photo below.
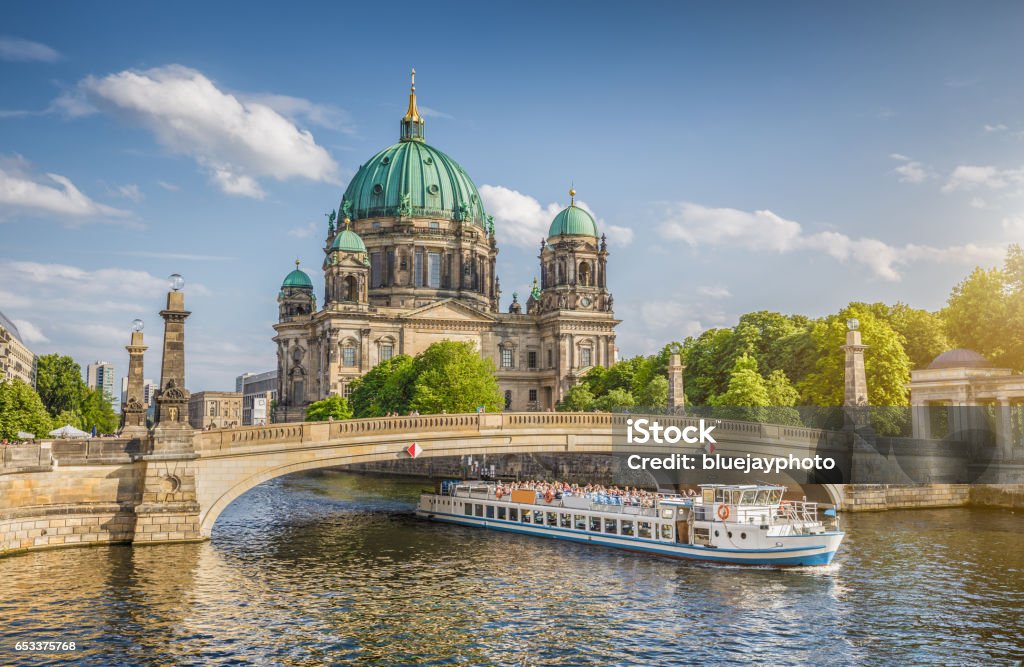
(549, 495)
(723, 512)
(498, 493)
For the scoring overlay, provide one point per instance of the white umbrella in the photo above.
(68, 431)
(22, 435)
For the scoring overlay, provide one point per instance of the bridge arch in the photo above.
(234, 461)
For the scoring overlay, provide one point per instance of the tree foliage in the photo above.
(387, 388)
(579, 398)
(21, 409)
(333, 406)
(453, 377)
(59, 383)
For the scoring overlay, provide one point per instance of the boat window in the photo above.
(735, 495)
(501, 513)
(667, 513)
(479, 510)
(709, 495)
(611, 526)
(579, 522)
(595, 524)
(526, 516)
(762, 497)
(513, 514)
(777, 496)
(469, 509)
(643, 529)
(721, 496)
(743, 536)
(564, 520)
(627, 528)
(666, 531)
(552, 519)
(684, 513)
(748, 497)
(490, 511)
(538, 517)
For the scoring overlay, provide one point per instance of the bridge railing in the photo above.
(299, 432)
(16, 458)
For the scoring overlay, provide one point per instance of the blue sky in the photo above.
(789, 157)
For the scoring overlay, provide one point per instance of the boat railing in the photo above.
(798, 511)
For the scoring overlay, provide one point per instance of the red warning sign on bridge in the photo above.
(414, 450)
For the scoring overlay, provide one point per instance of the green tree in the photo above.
(747, 390)
(453, 377)
(579, 398)
(886, 363)
(654, 394)
(924, 333)
(59, 383)
(985, 312)
(21, 409)
(386, 388)
(333, 406)
(615, 400)
(95, 410)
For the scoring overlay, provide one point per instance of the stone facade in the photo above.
(415, 263)
(16, 360)
(215, 409)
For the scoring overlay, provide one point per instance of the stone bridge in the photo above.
(67, 492)
(233, 461)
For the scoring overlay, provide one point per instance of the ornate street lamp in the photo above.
(176, 281)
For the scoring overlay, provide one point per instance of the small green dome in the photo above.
(297, 278)
(348, 241)
(414, 179)
(573, 221)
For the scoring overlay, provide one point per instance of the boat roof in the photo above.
(743, 487)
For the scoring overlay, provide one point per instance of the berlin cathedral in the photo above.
(412, 261)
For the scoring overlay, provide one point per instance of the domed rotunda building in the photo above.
(412, 261)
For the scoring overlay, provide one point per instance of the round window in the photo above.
(428, 160)
(743, 536)
(730, 534)
(385, 160)
(716, 533)
(433, 189)
(378, 189)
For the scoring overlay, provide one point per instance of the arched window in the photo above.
(350, 289)
(508, 399)
(585, 274)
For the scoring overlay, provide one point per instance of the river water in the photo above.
(334, 569)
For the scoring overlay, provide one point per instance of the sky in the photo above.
(739, 156)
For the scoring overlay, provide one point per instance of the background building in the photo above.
(413, 262)
(148, 387)
(215, 409)
(100, 375)
(259, 391)
(16, 360)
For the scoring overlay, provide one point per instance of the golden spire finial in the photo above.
(413, 113)
(348, 222)
(296, 262)
(572, 195)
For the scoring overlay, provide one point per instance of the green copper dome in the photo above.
(297, 278)
(412, 178)
(573, 221)
(348, 241)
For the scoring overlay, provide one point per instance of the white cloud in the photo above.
(970, 177)
(998, 127)
(978, 202)
(30, 332)
(23, 50)
(521, 220)
(298, 109)
(24, 191)
(620, 236)
(131, 192)
(236, 141)
(303, 232)
(1014, 225)
(760, 231)
(170, 187)
(911, 171)
(428, 112)
(714, 291)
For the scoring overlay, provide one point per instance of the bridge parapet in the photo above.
(305, 432)
(25, 458)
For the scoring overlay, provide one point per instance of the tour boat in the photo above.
(735, 524)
